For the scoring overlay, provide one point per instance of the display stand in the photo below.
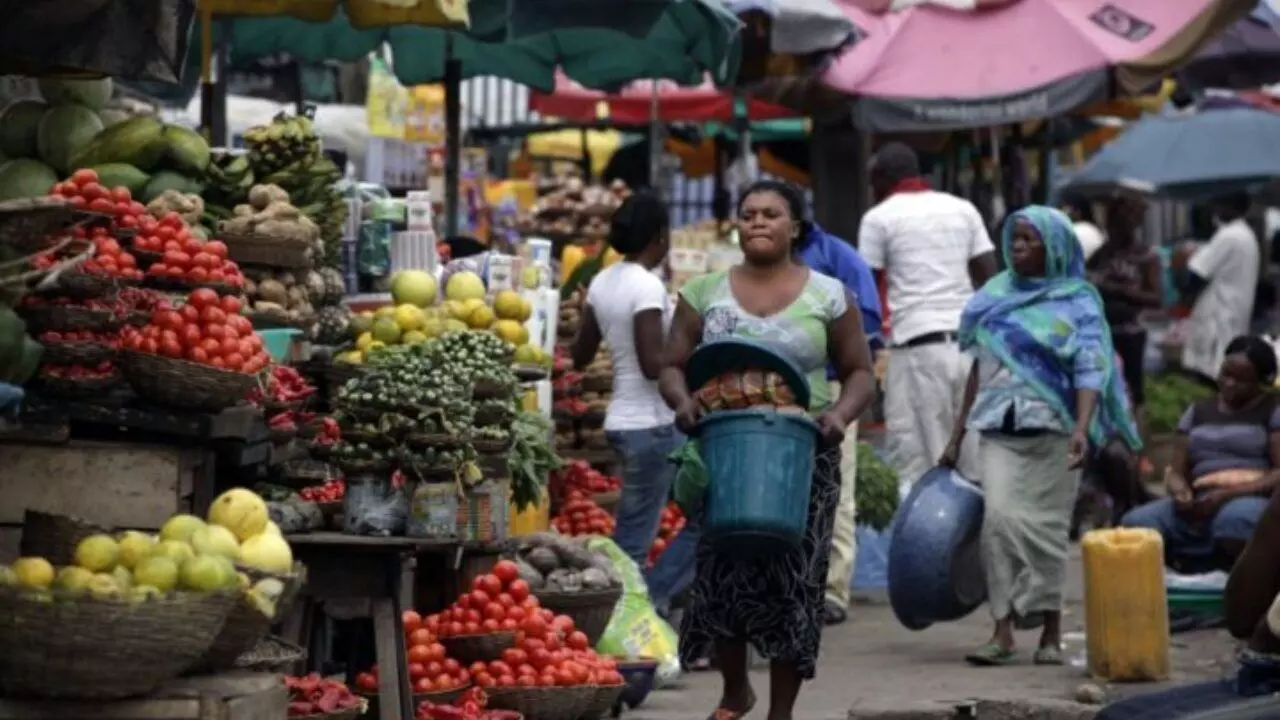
(122, 467)
(227, 696)
(355, 567)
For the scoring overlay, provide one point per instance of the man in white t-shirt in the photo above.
(628, 308)
(933, 250)
(1219, 284)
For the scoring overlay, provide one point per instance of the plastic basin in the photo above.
(639, 676)
(277, 341)
(759, 466)
(935, 563)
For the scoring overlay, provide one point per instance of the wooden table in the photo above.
(226, 696)
(346, 567)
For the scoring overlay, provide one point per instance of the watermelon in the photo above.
(19, 126)
(65, 131)
(93, 94)
(24, 178)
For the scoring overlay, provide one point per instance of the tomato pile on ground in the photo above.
(183, 256)
(471, 706)
(314, 695)
(97, 371)
(331, 491)
(580, 516)
(670, 524)
(208, 329)
(498, 601)
(579, 475)
(549, 652)
(78, 337)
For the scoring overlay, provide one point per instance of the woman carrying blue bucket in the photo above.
(1043, 389)
(773, 602)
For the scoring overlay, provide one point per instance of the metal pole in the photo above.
(655, 143)
(453, 136)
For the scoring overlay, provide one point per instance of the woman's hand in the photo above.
(1179, 488)
(1077, 448)
(831, 426)
(1208, 504)
(688, 413)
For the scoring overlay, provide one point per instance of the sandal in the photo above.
(1047, 655)
(833, 614)
(727, 714)
(991, 655)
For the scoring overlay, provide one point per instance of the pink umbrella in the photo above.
(631, 106)
(938, 64)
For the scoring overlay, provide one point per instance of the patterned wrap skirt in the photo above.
(775, 602)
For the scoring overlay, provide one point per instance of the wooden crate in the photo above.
(230, 696)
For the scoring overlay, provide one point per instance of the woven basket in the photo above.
(467, 649)
(76, 353)
(492, 447)
(87, 286)
(349, 714)
(446, 697)
(176, 285)
(361, 467)
(184, 384)
(434, 440)
(100, 650)
(590, 610)
(29, 222)
(54, 537)
(271, 655)
(608, 501)
(246, 626)
(530, 373)
(601, 702)
(261, 250)
(64, 318)
(544, 703)
(493, 415)
(137, 318)
(373, 440)
(78, 389)
(490, 390)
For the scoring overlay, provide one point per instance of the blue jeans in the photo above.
(1235, 520)
(647, 475)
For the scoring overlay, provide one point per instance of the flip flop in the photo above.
(991, 655)
(1047, 655)
(727, 714)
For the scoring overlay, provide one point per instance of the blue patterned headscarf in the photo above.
(1050, 331)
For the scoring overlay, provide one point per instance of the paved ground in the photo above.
(872, 662)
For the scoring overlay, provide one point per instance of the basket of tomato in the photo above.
(78, 380)
(203, 356)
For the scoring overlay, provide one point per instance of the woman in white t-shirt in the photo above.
(627, 306)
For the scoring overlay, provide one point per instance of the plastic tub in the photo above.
(759, 467)
(277, 341)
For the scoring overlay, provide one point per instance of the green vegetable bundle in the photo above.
(876, 491)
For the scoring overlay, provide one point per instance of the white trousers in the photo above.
(844, 543)
(924, 388)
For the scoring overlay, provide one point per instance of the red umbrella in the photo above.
(631, 106)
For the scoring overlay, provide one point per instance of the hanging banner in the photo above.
(424, 115)
(385, 103)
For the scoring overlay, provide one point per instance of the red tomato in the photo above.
(471, 627)
(578, 640)
(419, 654)
(235, 361)
(213, 315)
(479, 598)
(230, 304)
(416, 670)
(419, 636)
(190, 314)
(191, 336)
(216, 248)
(489, 583)
(534, 626)
(423, 685)
(437, 652)
(197, 354)
(518, 590)
(204, 297)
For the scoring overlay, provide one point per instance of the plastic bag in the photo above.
(433, 511)
(635, 630)
(375, 506)
(691, 481)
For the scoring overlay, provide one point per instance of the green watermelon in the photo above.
(65, 131)
(24, 178)
(19, 126)
(93, 94)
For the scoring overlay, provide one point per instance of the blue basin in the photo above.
(935, 563)
(639, 676)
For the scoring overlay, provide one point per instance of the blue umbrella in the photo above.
(1189, 156)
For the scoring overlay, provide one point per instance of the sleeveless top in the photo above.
(797, 332)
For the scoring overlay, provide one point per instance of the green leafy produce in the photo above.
(876, 490)
(1168, 397)
(531, 458)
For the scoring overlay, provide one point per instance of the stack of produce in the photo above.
(431, 670)
(207, 329)
(282, 396)
(498, 602)
(549, 563)
(577, 216)
(578, 476)
(670, 524)
(418, 315)
(580, 516)
(50, 138)
(285, 153)
(313, 695)
(181, 259)
(583, 401)
(472, 705)
(187, 555)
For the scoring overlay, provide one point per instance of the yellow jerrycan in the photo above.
(1126, 609)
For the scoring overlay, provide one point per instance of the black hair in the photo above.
(461, 246)
(1079, 204)
(1260, 354)
(896, 161)
(639, 220)
(1237, 202)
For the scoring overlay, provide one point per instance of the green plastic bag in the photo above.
(636, 631)
(691, 478)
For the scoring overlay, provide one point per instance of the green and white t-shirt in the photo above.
(797, 332)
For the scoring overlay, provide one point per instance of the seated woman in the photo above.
(1252, 609)
(1225, 464)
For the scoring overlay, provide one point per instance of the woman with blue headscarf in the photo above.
(1043, 389)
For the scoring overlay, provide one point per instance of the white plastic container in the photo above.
(418, 214)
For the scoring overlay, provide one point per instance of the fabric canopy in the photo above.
(633, 104)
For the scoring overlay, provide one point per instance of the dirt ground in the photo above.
(871, 665)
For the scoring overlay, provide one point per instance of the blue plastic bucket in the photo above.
(759, 467)
(276, 342)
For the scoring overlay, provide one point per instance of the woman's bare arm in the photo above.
(851, 354)
(686, 331)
